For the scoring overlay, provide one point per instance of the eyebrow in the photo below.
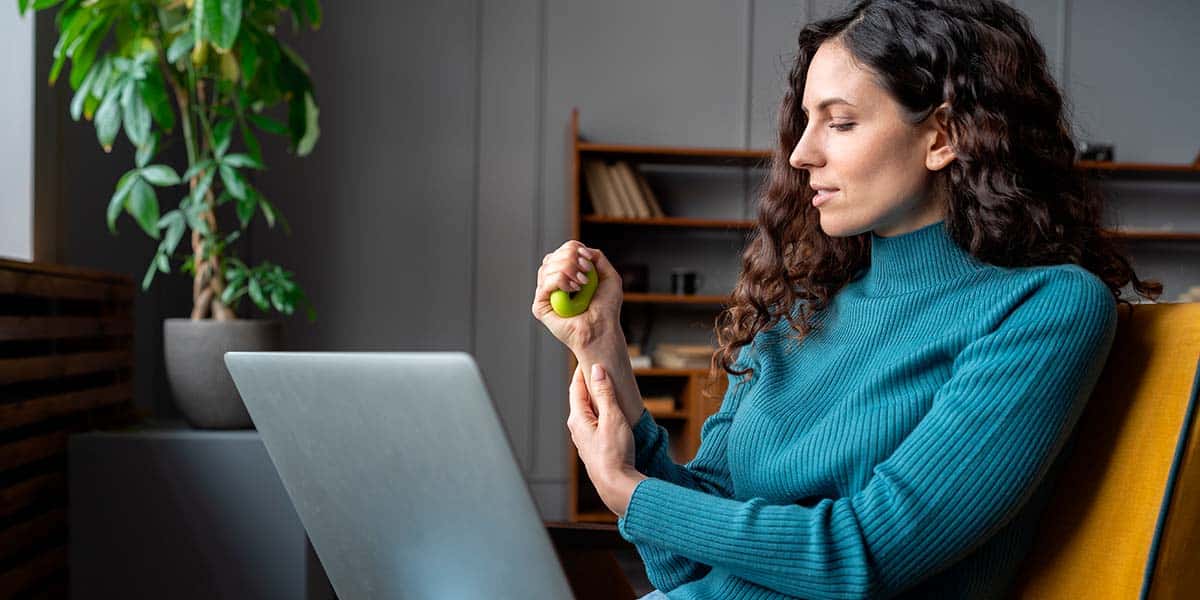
(826, 102)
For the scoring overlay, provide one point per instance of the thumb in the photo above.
(601, 390)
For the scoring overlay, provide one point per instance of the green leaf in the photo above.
(164, 264)
(84, 91)
(202, 187)
(117, 203)
(267, 209)
(233, 181)
(196, 168)
(108, 118)
(245, 209)
(248, 51)
(268, 124)
(256, 294)
(192, 215)
(252, 145)
(161, 175)
(143, 206)
(303, 118)
(150, 272)
(221, 137)
(84, 55)
(146, 151)
(217, 21)
(313, 8)
(154, 93)
(176, 226)
(242, 161)
(181, 46)
(137, 116)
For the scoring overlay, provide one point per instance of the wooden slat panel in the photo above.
(32, 449)
(64, 271)
(25, 283)
(24, 412)
(45, 328)
(21, 576)
(19, 536)
(13, 370)
(43, 303)
(25, 493)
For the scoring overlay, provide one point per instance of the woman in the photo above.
(951, 303)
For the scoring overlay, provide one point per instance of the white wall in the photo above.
(16, 123)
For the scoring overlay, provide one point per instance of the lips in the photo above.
(823, 195)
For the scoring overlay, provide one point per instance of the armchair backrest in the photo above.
(1124, 517)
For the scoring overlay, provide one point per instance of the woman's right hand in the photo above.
(566, 269)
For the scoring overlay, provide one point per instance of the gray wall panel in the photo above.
(509, 176)
(1133, 76)
(383, 209)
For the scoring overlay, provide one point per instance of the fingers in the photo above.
(565, 269)
(601, 392)
(580, 398)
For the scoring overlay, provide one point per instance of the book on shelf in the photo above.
(623, 193)
(633, 192)
(619, 190)
(659, 404)
(683, 356)
(656, 210)
(595, 173)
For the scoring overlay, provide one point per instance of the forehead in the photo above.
(833, 73)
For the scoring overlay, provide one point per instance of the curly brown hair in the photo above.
(1014, 197)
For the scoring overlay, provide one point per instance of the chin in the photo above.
(835, 227)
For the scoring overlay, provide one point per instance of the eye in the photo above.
(842, 126)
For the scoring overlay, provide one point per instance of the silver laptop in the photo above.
(401, 473)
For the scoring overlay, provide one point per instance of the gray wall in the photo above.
(16, 120)
(438, 183)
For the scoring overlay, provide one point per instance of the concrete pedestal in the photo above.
(182, 513)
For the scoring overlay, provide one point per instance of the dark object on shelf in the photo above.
(685, 282)
(634, 277)
(1094, 151)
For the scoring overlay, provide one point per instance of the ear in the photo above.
(940, 152)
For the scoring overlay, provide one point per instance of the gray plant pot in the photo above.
(195, 357)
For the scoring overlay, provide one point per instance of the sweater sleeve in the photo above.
(708, 472)
(992, 431)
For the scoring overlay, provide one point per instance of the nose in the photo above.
(805, 155)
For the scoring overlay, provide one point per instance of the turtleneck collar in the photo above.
(915, 260)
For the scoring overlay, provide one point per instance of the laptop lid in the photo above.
(401, 472)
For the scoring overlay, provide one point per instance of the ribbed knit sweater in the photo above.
(904, 448)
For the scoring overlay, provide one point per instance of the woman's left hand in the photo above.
(603, 438)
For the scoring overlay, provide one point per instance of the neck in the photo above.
(916, 260)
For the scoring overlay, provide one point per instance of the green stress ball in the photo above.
(570, 304)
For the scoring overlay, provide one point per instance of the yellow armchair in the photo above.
(1123, 519)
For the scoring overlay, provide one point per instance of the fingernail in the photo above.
(581, 277)
(584, 264)
(574, 287)
(597, 372)
(586, 252)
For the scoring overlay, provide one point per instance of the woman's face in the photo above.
(881, 166)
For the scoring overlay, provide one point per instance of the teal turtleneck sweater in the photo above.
(903, 449)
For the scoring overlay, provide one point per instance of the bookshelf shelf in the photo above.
(676, 155)
(642, 298)
(683, 222)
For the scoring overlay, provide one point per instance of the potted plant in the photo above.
(214, 71)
